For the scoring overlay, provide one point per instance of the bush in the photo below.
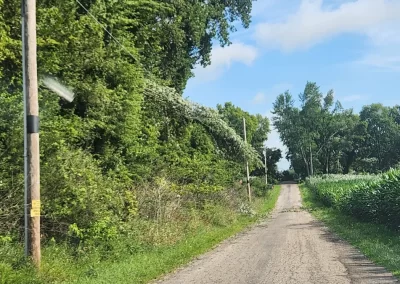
(168, 211)
(79, 202)
(259, 187)
(218, 215)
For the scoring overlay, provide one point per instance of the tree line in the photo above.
(322, 137)
(128, 125)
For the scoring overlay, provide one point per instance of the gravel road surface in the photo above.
(289, 247)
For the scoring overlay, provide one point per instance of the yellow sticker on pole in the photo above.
(35, 212)
(36, 203)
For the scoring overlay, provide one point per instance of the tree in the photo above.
(171, 37)
(382, 136)
(321, 137)
(125, 126)
(273, 157)
(311, 131)
(352, 140)
(257, 126)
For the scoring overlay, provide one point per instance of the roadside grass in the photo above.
(152, 264)
(377, 242)
(266, 204)
(146, 264)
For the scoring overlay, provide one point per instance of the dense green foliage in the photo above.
(125, 128)
(257, 128)
(129, 165)
(366, 197)
(169, 233)
(324, 138)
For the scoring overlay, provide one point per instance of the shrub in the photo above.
(259, 187)
(79, 202)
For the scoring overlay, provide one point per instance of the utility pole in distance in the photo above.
(266, 168)
(31, 132)
(247, 163)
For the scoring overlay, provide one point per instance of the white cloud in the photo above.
(384, 51)
(273, 10)
(270, 93)
(381, 61)
(279, 89)
(390, 102)
(260, 6)
(352, 98)
(312, 23)
(235, 52)
(385, 35)
(258, 99)
(223, 58)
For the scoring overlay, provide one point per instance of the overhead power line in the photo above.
(105, 29)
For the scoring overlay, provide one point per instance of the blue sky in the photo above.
(350, 46)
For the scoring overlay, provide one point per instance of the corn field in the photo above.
(371, 198)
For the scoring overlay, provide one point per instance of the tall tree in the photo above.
(309, 132)
(172, 37)
(382, 136)
(352, 140)
(257, 126)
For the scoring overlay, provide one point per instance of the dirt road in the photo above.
(290, 247)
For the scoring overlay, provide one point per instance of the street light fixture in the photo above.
(58, 88)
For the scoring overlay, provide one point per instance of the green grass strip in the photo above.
(380, 244)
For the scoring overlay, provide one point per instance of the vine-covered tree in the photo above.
(128, 124)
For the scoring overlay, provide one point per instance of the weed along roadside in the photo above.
(338, 202)
(155, 246)
(153, 263)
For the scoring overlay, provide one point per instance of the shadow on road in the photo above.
(288, 182)
(355, 262)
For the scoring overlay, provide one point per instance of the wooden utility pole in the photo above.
(266, 168)
(247, 163)
(31, 132)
